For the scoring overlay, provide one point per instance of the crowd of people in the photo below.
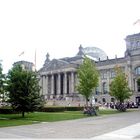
(126, 105)
(91, 110)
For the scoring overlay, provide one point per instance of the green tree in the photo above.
(2, 84)
(88, 78)
(119, 86)
(23, 90)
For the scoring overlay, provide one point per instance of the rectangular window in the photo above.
(112, 74)
(97, 91)
(104, 87)
(104, 75)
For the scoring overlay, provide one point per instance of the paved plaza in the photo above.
(119, 126)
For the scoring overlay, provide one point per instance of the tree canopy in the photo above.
(2, 84)
(24, 90)
(88, 78)
(119, 86)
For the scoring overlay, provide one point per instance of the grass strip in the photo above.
(37, 117)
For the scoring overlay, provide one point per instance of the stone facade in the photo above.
(58, 77)
(25, 65)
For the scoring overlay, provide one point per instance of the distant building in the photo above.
(58, 77)
(25, 65)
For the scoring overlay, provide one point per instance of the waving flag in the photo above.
(137, 22)
(21, 53)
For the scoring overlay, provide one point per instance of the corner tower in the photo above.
(132, 45)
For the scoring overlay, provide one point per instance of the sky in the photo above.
(58, 27)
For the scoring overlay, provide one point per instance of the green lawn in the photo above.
(37, 117)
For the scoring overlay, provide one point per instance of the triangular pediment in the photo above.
(55, 64)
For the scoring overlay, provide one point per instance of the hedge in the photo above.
(52, 109)
(73, 108)
(6, 111)
(47, 109)
(61, 109)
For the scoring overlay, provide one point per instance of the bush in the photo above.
(6, 111)
(9, 110)
(73, 108)
(61, 109)
(53, 109)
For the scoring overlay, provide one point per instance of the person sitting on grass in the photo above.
(89, 110)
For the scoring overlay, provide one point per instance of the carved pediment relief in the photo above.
(55, 64)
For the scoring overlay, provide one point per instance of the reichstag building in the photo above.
(58, 77)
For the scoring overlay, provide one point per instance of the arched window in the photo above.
(96, 99)
(103, 100)
(138, 85)
(112, 99)
(137, 71)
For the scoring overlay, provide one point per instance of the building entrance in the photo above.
(138, 100)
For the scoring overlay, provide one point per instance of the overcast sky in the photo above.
(60, 26)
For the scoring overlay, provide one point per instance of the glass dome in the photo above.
(95, 52)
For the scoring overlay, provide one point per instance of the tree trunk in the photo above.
(86, 101)
(23, 114)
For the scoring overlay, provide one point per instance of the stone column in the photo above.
(128, 72)
(76, 82)
(100, 85)
(44, 85)
(65, 83)
(52, 85)
(108, 81)
(58, 84)
(72, 82)
(41, 85)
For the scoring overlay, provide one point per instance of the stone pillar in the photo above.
(58, 83)
(108, 81)
(52, 85)
(100, 85)
(41, 85)
(44, 85)
(76, 83)
(65, 83)
(128, 72)
(47, 86)
(72, 82)
(130, 78)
